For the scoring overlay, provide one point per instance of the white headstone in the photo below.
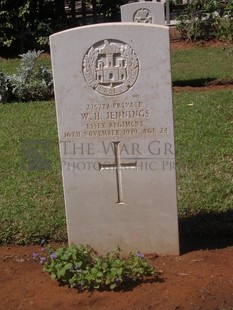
(143, 12)
(115, 122)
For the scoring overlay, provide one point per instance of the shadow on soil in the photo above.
(129, 287)
(206, 231)
(194, 83)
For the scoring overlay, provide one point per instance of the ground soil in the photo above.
(200, 278)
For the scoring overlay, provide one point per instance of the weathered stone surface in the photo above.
(115, 122)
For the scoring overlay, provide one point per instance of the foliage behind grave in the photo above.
(207, 19)
(27, 24)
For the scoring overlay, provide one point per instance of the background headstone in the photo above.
(143, 12)
(115, 122)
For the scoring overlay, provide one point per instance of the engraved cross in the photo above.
(118, 166)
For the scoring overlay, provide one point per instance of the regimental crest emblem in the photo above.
(110, 67)
(143, 16)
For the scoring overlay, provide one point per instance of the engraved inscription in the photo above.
(116, 118)
(143, 16)
(110, 67)
(118, 166)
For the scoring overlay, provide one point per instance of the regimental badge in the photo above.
(110, 67)
(143, 16)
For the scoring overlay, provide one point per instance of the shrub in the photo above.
(207, 19)
(5, 88)
(226, 23)
(80, 267)
(30, 82)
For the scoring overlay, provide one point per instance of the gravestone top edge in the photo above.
(146, 3)
(105, 25)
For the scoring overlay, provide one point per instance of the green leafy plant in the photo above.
(199, 20)
(30, 82)
(226, 23)
(42, 33)
(206, 19)
(27, 24)
(80, 267)
(14, 21)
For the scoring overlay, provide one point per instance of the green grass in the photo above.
(198, 66)
(9, 66)
(31, 201)
(203, 123)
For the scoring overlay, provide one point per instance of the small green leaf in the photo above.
(61, 273)
(112, 286)
(68, 266)
(99, 274)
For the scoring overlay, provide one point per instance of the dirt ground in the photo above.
(200, 278)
